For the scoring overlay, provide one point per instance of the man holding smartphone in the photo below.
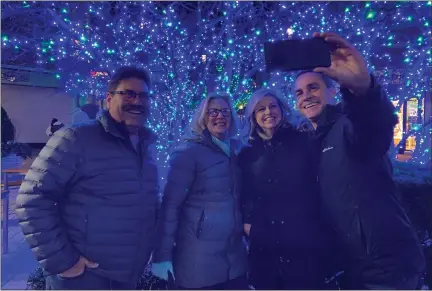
(381, 248)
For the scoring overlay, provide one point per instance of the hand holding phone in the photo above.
(348, 67)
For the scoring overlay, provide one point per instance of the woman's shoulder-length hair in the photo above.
(251, 125)
(198, 124)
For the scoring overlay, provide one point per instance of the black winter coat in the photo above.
(281, 199)
(90, 193)
(200, 228)
(355, 176)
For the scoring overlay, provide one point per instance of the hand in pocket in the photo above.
(79, 268)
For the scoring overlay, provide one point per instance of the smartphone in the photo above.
(291, 55)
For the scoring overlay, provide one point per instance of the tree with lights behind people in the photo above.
(193, 48)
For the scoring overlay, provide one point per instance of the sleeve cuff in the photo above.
(373, 93)
(247, 219)
(162, 256)
(374, 104)
(61, 263)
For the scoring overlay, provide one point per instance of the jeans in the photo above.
(87, 280)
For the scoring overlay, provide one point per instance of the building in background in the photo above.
(32, 98)
(414, 116)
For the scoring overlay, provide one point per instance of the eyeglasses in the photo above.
(215, 112)
(132, 95)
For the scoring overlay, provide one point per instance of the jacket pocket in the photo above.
(207, 165)
(72, 278)
(200, 224)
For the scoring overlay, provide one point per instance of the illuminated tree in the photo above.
(193, 48)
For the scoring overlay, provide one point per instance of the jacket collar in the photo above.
(280, 134)
(119, 130)
(205, 139)
(327, 118)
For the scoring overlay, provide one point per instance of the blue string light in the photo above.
(219, 47)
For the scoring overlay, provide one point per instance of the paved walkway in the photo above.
(19, 262)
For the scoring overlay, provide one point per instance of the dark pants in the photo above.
(403, 281)
(239, 283)
(88, 280)
(268, 272)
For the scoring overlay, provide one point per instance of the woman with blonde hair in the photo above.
(200, 237)
(290, 244)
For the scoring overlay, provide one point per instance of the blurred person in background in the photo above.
(54, 126)
(86, 112)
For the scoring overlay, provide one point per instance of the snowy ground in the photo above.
(19, 262)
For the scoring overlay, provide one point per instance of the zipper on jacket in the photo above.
(232, 192)
(140, 157)
(231, 189)
(200, 222)
(363, 239)
(86, 229)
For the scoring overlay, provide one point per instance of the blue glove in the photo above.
(161, 270)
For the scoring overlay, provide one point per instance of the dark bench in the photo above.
(12, 184)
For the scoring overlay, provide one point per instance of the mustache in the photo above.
(134, 107)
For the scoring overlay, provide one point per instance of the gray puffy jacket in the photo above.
(201, 228)
(90, 193)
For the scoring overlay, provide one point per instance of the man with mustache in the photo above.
(355, 175)
(88, 204)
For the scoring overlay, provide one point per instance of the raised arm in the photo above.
(369, 110)
(373, 119)
(39, 197)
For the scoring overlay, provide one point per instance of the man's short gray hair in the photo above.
(198, 124)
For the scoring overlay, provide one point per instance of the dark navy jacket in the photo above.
(358, 192)
(282, 203)
(90, 193)
(200, 227)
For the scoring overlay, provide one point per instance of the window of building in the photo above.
(413, 116)
(398, 130)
